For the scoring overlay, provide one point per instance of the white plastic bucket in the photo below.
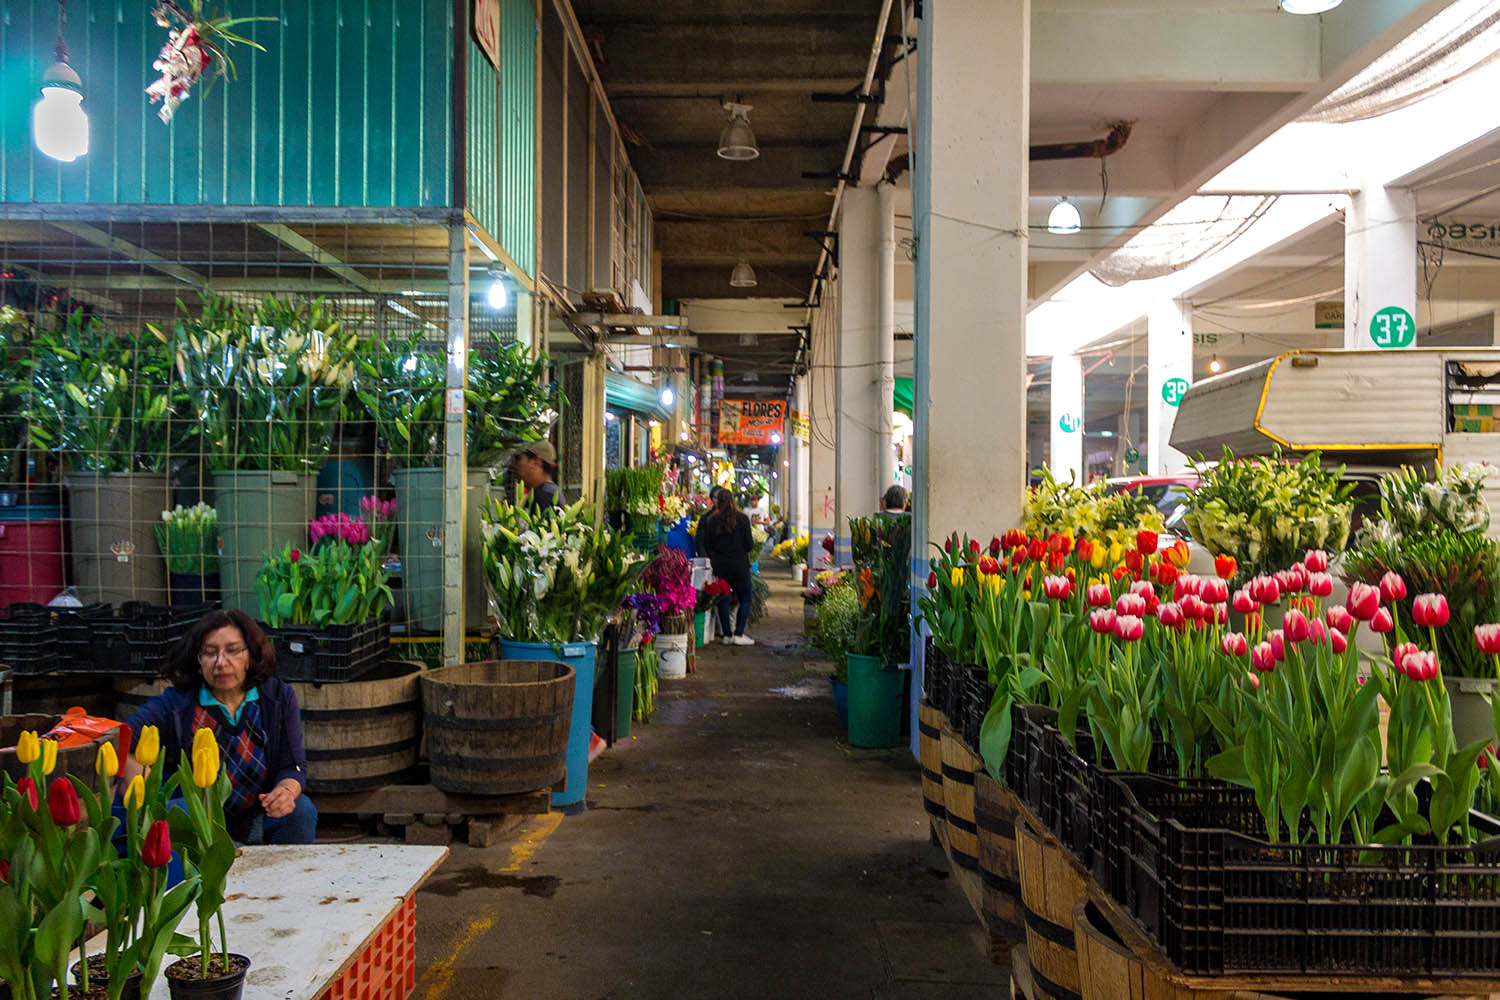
(671, 656)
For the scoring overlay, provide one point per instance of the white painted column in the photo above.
(859, 406)
(822, 408)
(885, 311)
(1067, 418)
(1380, 269)
(1169, 357)
(797, 470)
(970, 186)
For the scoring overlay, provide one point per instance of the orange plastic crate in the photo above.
(387, 967)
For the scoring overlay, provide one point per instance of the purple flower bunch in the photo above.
(647, 615)
(671, 578)
(379, 509)
(340, 527)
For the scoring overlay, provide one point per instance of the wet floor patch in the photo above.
(807, 687)
(679, 711)
(479, 877)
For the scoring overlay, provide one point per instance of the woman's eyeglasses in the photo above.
(210, 655)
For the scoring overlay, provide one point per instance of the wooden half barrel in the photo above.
(1050, 890)
(930, 753)
(362, 734)
(497, 727)
(133, 692)
(959, 766)
(54, 694)
(76, 760)
(995, 811)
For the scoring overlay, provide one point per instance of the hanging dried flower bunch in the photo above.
(194, 50)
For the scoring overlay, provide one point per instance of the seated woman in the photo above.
(222, 674)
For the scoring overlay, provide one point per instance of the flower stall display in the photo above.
(188, 538)
(1055, 507)
(341, 580)
(1264, 512)
(670, 578)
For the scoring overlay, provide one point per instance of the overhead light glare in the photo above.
(59, 125)
(667, 397)
(1064, 219)
(737, 140)
(1309, 6)
(743, 275)
(775, 437)
(497, 296)
(1216, 365)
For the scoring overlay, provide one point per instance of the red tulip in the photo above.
(1060, 544)
(1234, 644)
(1225, 567)
(1146, 542)
(1364, 601)
(296, 555)
(1132, 604)
(1401, 652)
(974, 546)
(1165, 573)
(1316, 561)
(1483, 760)
(1057, 588)
(1317, 632)
(994, 546)
(1420, 666)
(156, 850)
(1084, 550)
(932, 581)
(1487, 637)
(1339, 617)
(1037, 550)
(1244, 603)
(1263, 658)
(4, 871)
(1172, 616)
(989, 565)
(1221, 613)
(1430, 610)
(1194, 608)
(1099, 596)
(1338, 639)
(1265, 589)
(1102, 620)
(1277, 639)
(1320, 584)
(1215, 591)
(63, 804)
(1382, 622)
(1392, 587)
(26, 788)
(1013, 538)
(948, 545)
(1129, 628)
(1296, 627)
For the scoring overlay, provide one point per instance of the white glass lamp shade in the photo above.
(497, 296)
(743, 275)
(59, 125)
(1064, 219)
(1309, 6)
(737, 140)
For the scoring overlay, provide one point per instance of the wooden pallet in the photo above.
(423, 814)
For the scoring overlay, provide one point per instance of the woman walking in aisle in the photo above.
(724, 537)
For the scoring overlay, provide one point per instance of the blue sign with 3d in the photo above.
(1070, 422)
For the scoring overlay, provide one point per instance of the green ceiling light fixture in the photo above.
(737, 140)
(1309, 6)
(743, 275)
(59, 125)
(1064, 219)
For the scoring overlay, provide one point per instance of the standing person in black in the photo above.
(536, 466)
(724, 537)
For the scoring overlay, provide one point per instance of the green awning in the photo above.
(626, 393)
(905, 395)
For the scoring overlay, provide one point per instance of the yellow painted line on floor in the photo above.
(525, 846)
(437, 979)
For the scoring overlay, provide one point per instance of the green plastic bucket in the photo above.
(624, 691)
(419, 519)
(259, 512)
(700, 627)
(113, 521)
(875, 702)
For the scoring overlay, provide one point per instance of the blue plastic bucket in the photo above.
(579, 656)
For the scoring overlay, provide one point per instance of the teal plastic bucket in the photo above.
(579, 656)
(259, 513)
(419, 521)
(875, 702)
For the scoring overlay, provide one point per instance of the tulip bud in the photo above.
(1254, 681)
(1131, 604)
(1339, 617)
(1487, 637)
(1317, 632)
(948, 546)
(1215, 591)
(994, 546)
(49, 756)
(1172, 616)
(1129, 628)
(1296, 627)
(135, 792)
(63, 804)
(1316, 561)
(1146, 542)
(1420, 666)
(1338, 639)
(1364, 601)
(956, 576)
(1320, 584)
(1100, 597)
(203, 738)
(107, 762)
(1102, 621)
(156, 849)
(1392, 587)
(1134, 561)
(26, 788)
(1084, 550)
(1430, 610)
(1263, 658)
(1225, 567)
(206, 766)
(1244, 603)
(974, 547)
(27, 748)
(1277, 639)
(1234, 644)
(148, 747)
(4, 871)
(1382, 622)
(932, 581)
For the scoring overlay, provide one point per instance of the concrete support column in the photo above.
(822, 408)
(1067, 418)
(885, 312)
(858, 403)
(1380, 269)
(798, 466)
(970, 185)
(1169, 357)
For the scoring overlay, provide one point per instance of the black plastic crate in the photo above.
(1027, 756)
(935, 671)
(135, 640)
(1073, 792)
(330, 653)
(978, 692)
(28, 639)
(78, 632)
(1225, 899)
(951, 697)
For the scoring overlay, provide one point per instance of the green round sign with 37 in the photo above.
(1173, 389)
(1393, 327)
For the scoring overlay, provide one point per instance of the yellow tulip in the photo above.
(957, 576)
(206, 766)
(107, 762)
(203, 738)
(1099, 556)
(27, 749)
(49, 756)
(148, 748)
(995, 583)
(135, 792)
(1116, 552)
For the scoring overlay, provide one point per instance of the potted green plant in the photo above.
(833, 631)
(104, 401)
(188, 538)
(266, 384)
(881, 547)
(555, 578)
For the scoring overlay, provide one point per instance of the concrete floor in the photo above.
(737, 847)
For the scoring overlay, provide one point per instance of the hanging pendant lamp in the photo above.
(737, 140)
(743, 275)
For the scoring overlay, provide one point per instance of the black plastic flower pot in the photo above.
(193, 987)
(97, 977)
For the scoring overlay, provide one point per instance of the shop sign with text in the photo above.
(751, 421)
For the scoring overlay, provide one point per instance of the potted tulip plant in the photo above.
(881, 547)
(188, 538)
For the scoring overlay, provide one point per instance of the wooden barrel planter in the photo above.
(362, 734)
(1050, 890)
(77, 760)
(498, 727)
(959, 766)
(133, 692)
(995, 811)
(930, 753)
(54, 694)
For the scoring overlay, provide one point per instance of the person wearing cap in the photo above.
(536, 466)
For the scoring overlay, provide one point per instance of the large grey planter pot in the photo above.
(419, 514)
(113, 519)
(1470, 698)
(259, 512)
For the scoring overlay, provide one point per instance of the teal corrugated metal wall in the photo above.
(349, 106)
(502, 135)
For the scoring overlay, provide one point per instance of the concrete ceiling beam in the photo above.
(717, 86)
(713, 283)
(675, 53)
(778, 167)
(723, 239)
